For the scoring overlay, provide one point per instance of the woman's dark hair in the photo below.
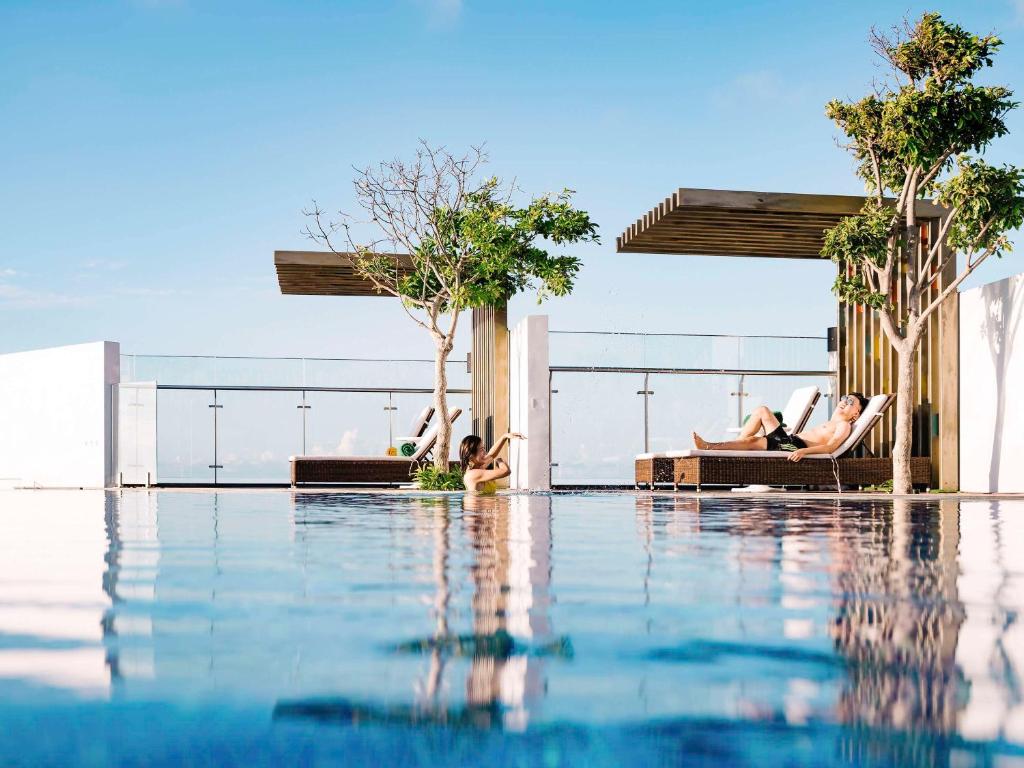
(468, 448)
(860, 399)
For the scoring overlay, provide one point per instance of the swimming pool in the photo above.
(269, 628)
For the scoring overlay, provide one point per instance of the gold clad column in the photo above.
(489, 375)
(949, 384)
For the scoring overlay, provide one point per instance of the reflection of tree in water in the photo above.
(510, 637)
(898, 616)
(897, 623)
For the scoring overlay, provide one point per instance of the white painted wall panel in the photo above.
(529, 401)
(137, 438)
(57, 414)
(991, 385)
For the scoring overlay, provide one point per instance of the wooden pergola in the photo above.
(320, 273)
(323, 273)
(714, 222)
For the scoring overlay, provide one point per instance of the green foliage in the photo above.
(430, 478)
(914, 134)
(851, 242)
(883, 487)
(990, 202)
(943, 52)
(489, 250)
(933, 116)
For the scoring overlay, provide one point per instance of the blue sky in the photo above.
(154, 153)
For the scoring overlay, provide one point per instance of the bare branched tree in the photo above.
(449, 239)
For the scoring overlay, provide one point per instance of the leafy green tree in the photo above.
(449, 240)
(914, 138)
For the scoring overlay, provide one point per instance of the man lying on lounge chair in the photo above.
(825, 438)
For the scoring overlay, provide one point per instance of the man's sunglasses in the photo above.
(848, 400)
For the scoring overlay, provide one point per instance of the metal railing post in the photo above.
(216, 465)
(304, 407)
(390, 409)
(646, 392)
(551, 457)
(740, 394)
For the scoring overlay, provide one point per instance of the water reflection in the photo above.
(925, 601)
(510, 636)
(52, 597)
(872, 618)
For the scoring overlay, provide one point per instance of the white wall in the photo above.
(991, 387)
(57, 414)
(529, 399)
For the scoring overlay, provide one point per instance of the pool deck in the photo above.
(592, 490)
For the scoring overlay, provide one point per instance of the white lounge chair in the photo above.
(797, 412)
(697, 467)
(416, 430)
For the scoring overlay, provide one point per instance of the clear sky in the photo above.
(154, 153)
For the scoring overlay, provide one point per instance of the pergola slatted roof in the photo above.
(323, 273)
(716, 222)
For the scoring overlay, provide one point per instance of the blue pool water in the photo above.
(270, 628)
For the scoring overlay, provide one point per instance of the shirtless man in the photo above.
(821, 439)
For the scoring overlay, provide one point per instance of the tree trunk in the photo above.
(442, 448)
(904, 418)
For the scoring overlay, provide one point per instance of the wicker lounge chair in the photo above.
(366, 470)
(798, 410)
(697, 468)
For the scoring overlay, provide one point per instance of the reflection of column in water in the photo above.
(512, 540)
(668, 517)
(990, 650)
(898, 620)
(133, 561)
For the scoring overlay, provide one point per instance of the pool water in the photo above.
(271, 628)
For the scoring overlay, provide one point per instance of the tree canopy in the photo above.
(913, 137)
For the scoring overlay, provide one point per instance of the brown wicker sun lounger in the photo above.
(368, 470)
(697, 468)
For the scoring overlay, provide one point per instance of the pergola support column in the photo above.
(489, 373)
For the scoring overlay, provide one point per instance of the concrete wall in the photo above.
(529, 404)
(991, 383)
(57, 416)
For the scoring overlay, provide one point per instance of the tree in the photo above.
(912, 139)
(450, 240)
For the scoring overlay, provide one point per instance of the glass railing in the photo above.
(615, 395)
(237, 420)
(687, 350)
(288, 371)
(245, 435)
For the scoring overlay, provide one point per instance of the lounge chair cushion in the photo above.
(798, 410)
(404, 459)
(860, 426)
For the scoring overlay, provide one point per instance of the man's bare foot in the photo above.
(700, 442)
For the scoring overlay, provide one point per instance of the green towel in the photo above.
(778, 415)
(408, 449)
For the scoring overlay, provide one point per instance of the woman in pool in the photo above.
(480, 468)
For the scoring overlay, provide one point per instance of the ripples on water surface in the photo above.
(270, 628)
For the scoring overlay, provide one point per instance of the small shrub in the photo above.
(885, 487)
(428, 478)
